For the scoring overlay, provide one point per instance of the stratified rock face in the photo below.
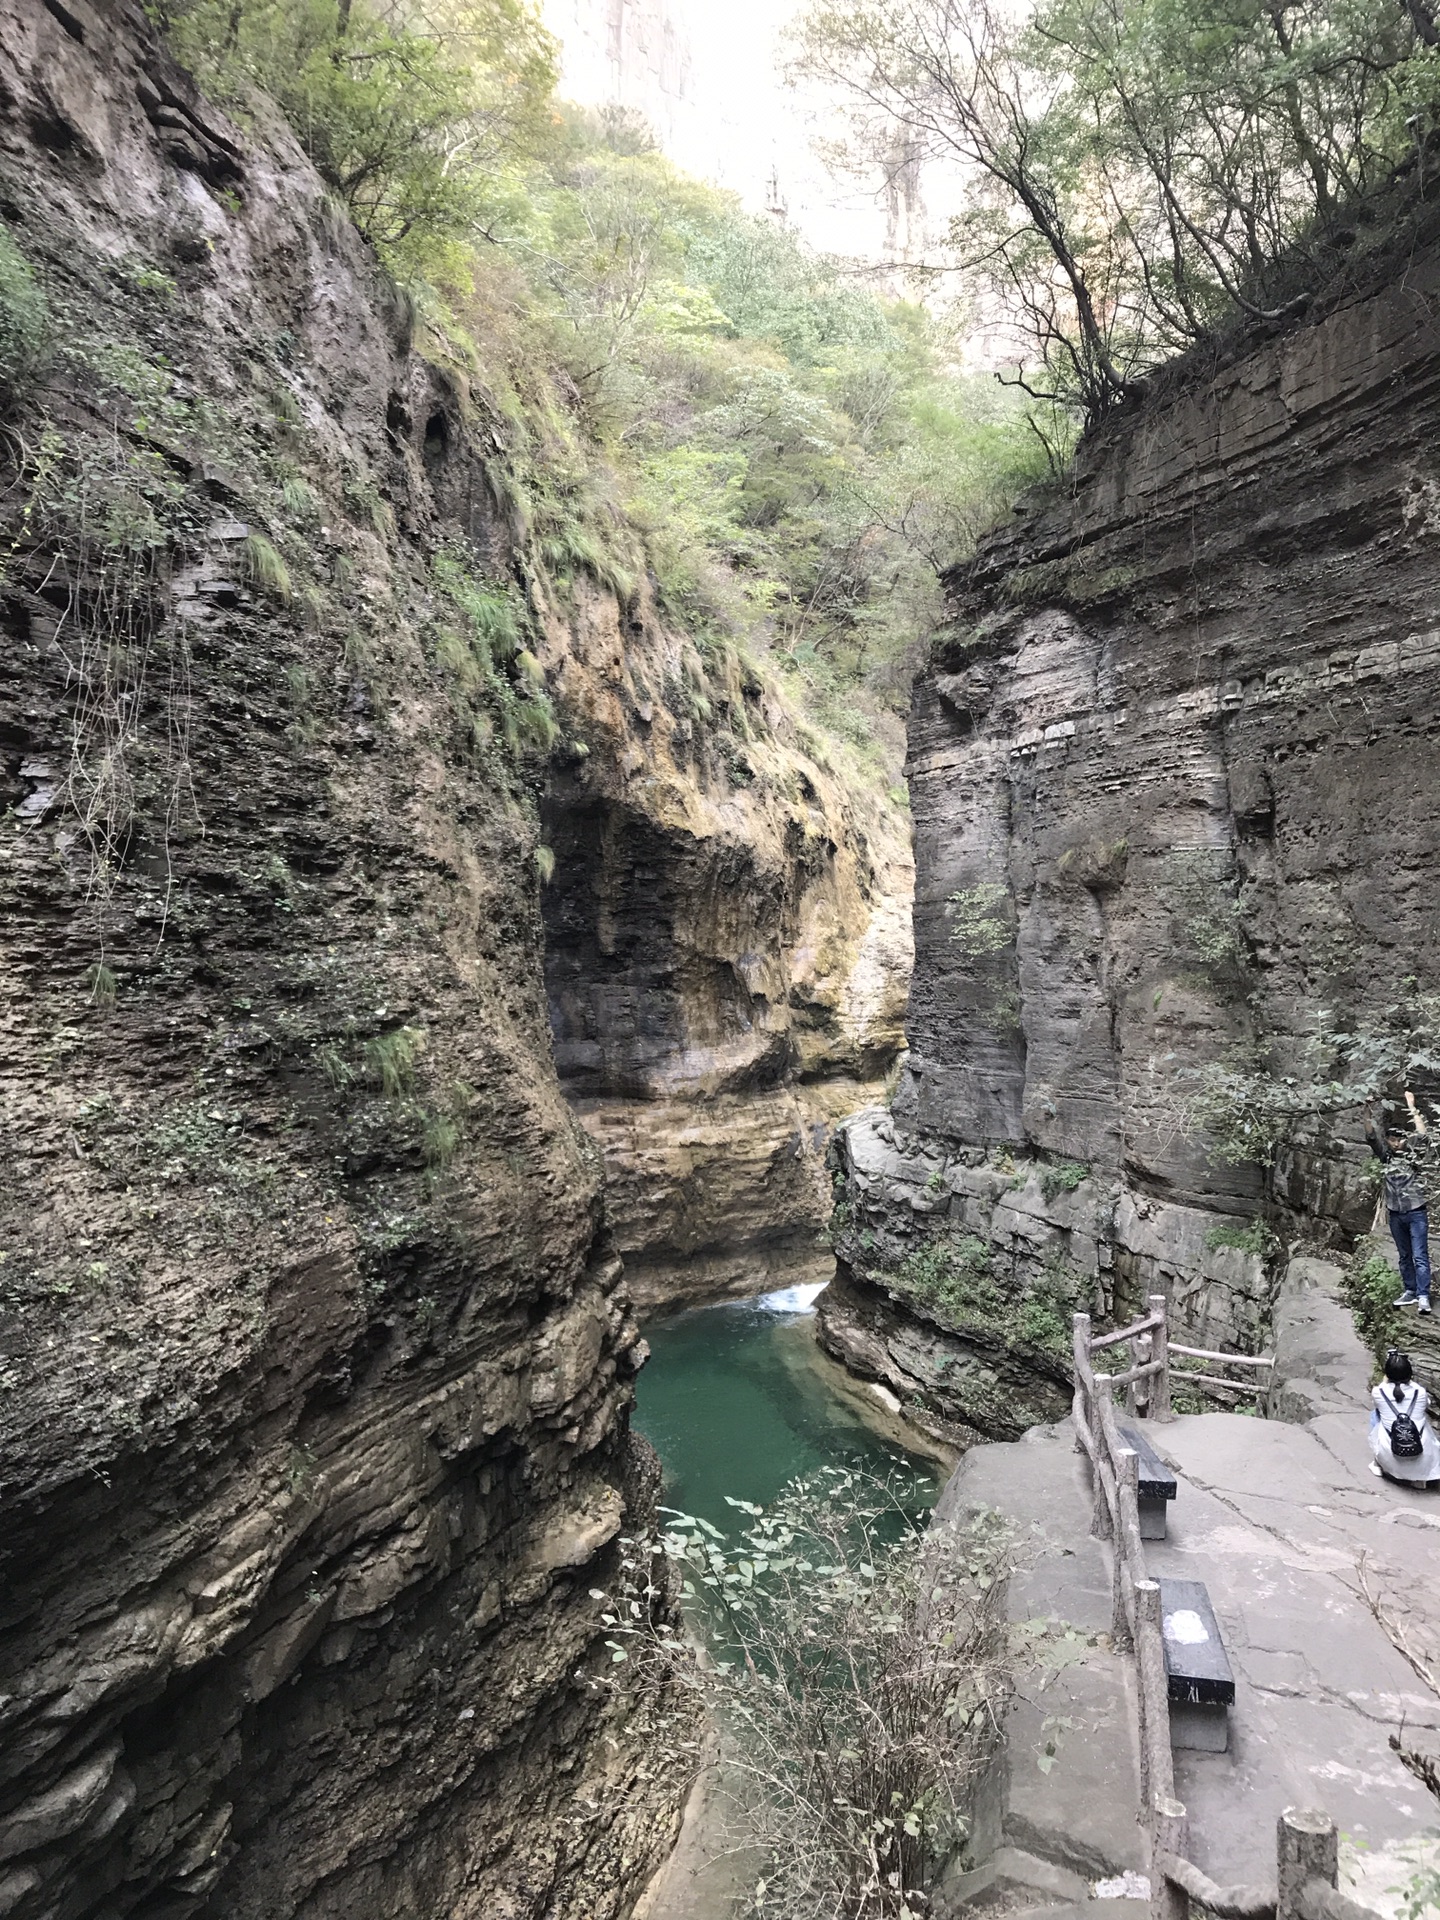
(1172, 779)
(727, 957)
(313, 1370)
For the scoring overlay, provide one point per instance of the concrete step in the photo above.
(1010, 1872)
(1090, 1910)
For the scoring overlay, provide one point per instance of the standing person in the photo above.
(1404, 1155)
(1401, 1437)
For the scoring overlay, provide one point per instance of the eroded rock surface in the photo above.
(1170, 773)
(314, 1360)
(727, 957)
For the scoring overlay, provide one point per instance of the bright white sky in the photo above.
(707, 75)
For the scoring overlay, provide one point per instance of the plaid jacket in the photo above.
(1405, 1169)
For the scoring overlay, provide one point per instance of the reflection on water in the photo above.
(736, 1400)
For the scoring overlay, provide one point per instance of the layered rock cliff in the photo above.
(1170, 772)
(314, 1357)
(727, 957)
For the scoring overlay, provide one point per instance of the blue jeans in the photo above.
(1411, 1232)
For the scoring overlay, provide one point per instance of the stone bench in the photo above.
(1157, 1484)
(1201, 1685)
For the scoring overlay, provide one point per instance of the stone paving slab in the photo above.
(1080, 1810)
(1280, 1522)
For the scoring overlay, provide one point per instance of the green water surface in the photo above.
(736, 1401)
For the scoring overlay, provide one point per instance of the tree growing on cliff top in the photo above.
(1137, 170)
(415, 115)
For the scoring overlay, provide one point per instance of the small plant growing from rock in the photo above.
(24, 320)
(978, 927)
(390, 1059)
(1196, 889)
(265, 569)
(1065, 1178)
(440, 1140)
(1370, 1282)
(1255, 1237)
(103, 985)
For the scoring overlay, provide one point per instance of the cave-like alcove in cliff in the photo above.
(650, 953)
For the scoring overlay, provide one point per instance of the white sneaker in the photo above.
(1424, 1304)
(1406, 1300)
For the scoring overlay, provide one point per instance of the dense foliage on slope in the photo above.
(688, 391)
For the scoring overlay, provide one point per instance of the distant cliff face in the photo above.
(634, 52)
(727, 958)
(1171, 775)
(314, 1359)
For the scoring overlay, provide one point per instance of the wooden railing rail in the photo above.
(1307, 1847)
(1151, 1320)
(1230, 1359)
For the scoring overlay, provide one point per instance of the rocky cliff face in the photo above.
(727, 957)
(1170, 775)
(314, 1359)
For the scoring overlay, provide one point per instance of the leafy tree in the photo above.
(409, 117)
(1138, 169)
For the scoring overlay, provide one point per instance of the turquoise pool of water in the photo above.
(736, 1399)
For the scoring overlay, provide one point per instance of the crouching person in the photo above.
(1401, 1437)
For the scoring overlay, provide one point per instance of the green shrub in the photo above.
(1246, 1112)
(1254, 1238)
(978, 927)
(24, 321)
(953, 1276)
(1197, 890)
(860, 1665)
(409, 126)
(1064, 1178)
(1369, 1286)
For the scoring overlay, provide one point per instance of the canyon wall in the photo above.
(1171, 772)
(315, 1358)
(727, 956)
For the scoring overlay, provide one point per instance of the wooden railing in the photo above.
(1307, 1844)
(1151, 1376)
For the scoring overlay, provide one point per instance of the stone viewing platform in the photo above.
(1325, 1584)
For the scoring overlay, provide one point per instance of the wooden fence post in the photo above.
(1100, 1526)
(1157, 1768)
(1307, 1848)
(1127, 1475)
(1169, 1833)
(1138, 1395)
(1139, 1391)
(1080, 1345)
(1160, 1350)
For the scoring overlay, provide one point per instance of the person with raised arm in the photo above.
(1404, 1155)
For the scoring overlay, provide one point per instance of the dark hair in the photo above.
(1397, 1367)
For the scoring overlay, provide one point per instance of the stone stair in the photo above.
(1024, 1886)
